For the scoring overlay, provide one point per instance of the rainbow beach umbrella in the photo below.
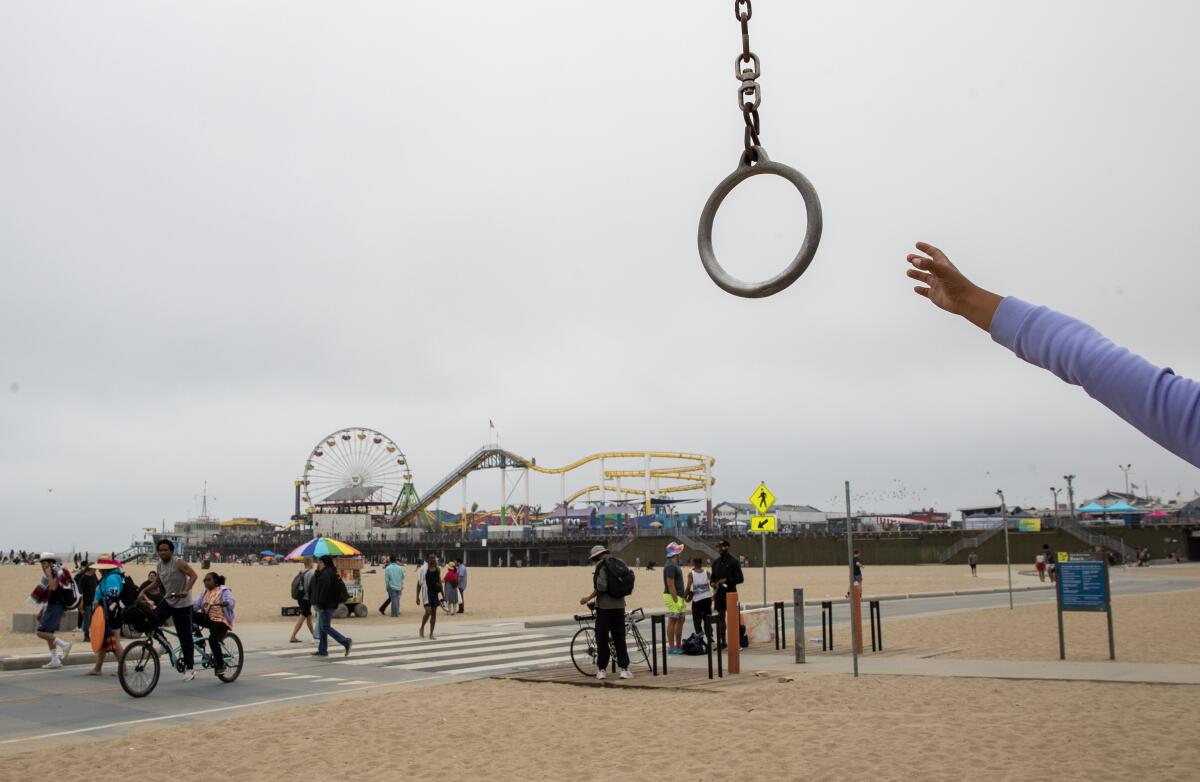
(319, 547)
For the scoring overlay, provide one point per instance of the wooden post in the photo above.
(856, 616)
(733, 632)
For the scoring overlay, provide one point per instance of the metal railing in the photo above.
(1077, 530)
(966, 543)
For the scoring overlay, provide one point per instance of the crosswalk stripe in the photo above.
(524, 663)
(278, 673)
(485, 658)
(356, 681)
(447, 650)
(329, 679)
(394, 642)
(301, 676)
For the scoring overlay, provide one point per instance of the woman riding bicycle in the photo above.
(214, 609)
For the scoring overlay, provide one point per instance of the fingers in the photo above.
(922, 276)
(933, 252)
(921, 291)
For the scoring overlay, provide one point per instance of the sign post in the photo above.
(855, 626)
(762, 499)
(1083, 585)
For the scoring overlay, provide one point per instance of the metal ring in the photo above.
(808, 248)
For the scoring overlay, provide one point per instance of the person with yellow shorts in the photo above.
(673, 598)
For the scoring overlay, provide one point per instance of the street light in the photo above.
(1055, 492)
(1070, 479)
(1125, 468)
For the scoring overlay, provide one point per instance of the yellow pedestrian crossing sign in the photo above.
(762, 524)
(762, 498)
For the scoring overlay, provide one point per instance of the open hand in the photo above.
(949, 289)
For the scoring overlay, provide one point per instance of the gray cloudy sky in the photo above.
(227, 229)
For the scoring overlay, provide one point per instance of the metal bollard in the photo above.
(826, 626)
(876, 627)
(655, 621)
(708, 643)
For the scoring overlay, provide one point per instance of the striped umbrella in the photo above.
(319, 547)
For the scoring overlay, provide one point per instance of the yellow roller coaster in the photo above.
(686, 472)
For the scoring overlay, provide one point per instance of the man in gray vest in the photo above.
(177, 579)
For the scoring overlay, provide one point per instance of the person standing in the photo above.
(302, 594)
(726, 575)
(462, 587)
(86, 582)
(610, 617)
(429, 592)
(1042, 560)
(858, 567)
(699, 591)
(673, 598)
(177, 579)
(393, 581)
(214, 609)
(973, 561)
(55, 594)
(329, 592)
(450, 587)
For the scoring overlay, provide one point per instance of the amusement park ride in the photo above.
(360, 470)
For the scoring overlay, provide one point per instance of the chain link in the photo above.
(747, 68)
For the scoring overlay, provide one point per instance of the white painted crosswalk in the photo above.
(464, 653)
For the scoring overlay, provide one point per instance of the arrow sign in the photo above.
(762, 524)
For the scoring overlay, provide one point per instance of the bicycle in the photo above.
(584, 647)
(139, 666)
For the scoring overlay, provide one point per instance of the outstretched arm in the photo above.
(1157, 402)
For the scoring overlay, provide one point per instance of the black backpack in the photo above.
(695, 644)
(298, 586)
(342, 593)
(620, 578)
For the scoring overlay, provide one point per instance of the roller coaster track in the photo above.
(489, 458)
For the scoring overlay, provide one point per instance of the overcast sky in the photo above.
(227, 229)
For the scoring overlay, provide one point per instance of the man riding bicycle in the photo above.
(177, 579)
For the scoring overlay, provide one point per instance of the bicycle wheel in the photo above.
(642, 648)
(583, 651)
(138, 669)
(231, 651)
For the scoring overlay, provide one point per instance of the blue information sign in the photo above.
(1082, 586)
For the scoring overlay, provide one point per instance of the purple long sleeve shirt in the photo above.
(1160, 404)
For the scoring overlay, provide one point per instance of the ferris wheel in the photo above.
(354, 465)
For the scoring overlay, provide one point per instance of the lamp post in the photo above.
(1125, 468)
(1007, 557)
(1054, 492)
(1070, 479)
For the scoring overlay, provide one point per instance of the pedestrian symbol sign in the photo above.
(762, 524)
(762, 498)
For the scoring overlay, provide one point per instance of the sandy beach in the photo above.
(880, 728)
(496, 593)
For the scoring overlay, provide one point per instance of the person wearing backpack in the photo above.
(329, 592)
(612, 581)
(301, 593)
(55, 594)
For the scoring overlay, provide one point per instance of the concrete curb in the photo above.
(27, 661)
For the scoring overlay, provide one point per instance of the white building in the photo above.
(792, 518)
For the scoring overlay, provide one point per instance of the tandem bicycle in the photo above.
(139, 666)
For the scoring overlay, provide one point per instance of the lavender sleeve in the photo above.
(1160, 404)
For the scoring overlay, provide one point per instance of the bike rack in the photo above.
(826, 625)
(657, 621)
(876, 622)
(708, 642)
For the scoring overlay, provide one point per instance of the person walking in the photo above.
(302, 594)
(393, 581)
(86, 582)
(462, 586)
(450, 587)
(973, 561)
(1160, 404)
(328, 592)
(429, 592)
(699, 591)
(1042, 561)
(177, 579)
(108, 613)
(55, 594)
(214, 610)
(726, 575)
(673, 598)
(858, 567)
(610, 617)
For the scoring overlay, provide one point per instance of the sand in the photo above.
(879, 728)
(496, 593)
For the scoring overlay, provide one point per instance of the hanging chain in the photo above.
(747, 68)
